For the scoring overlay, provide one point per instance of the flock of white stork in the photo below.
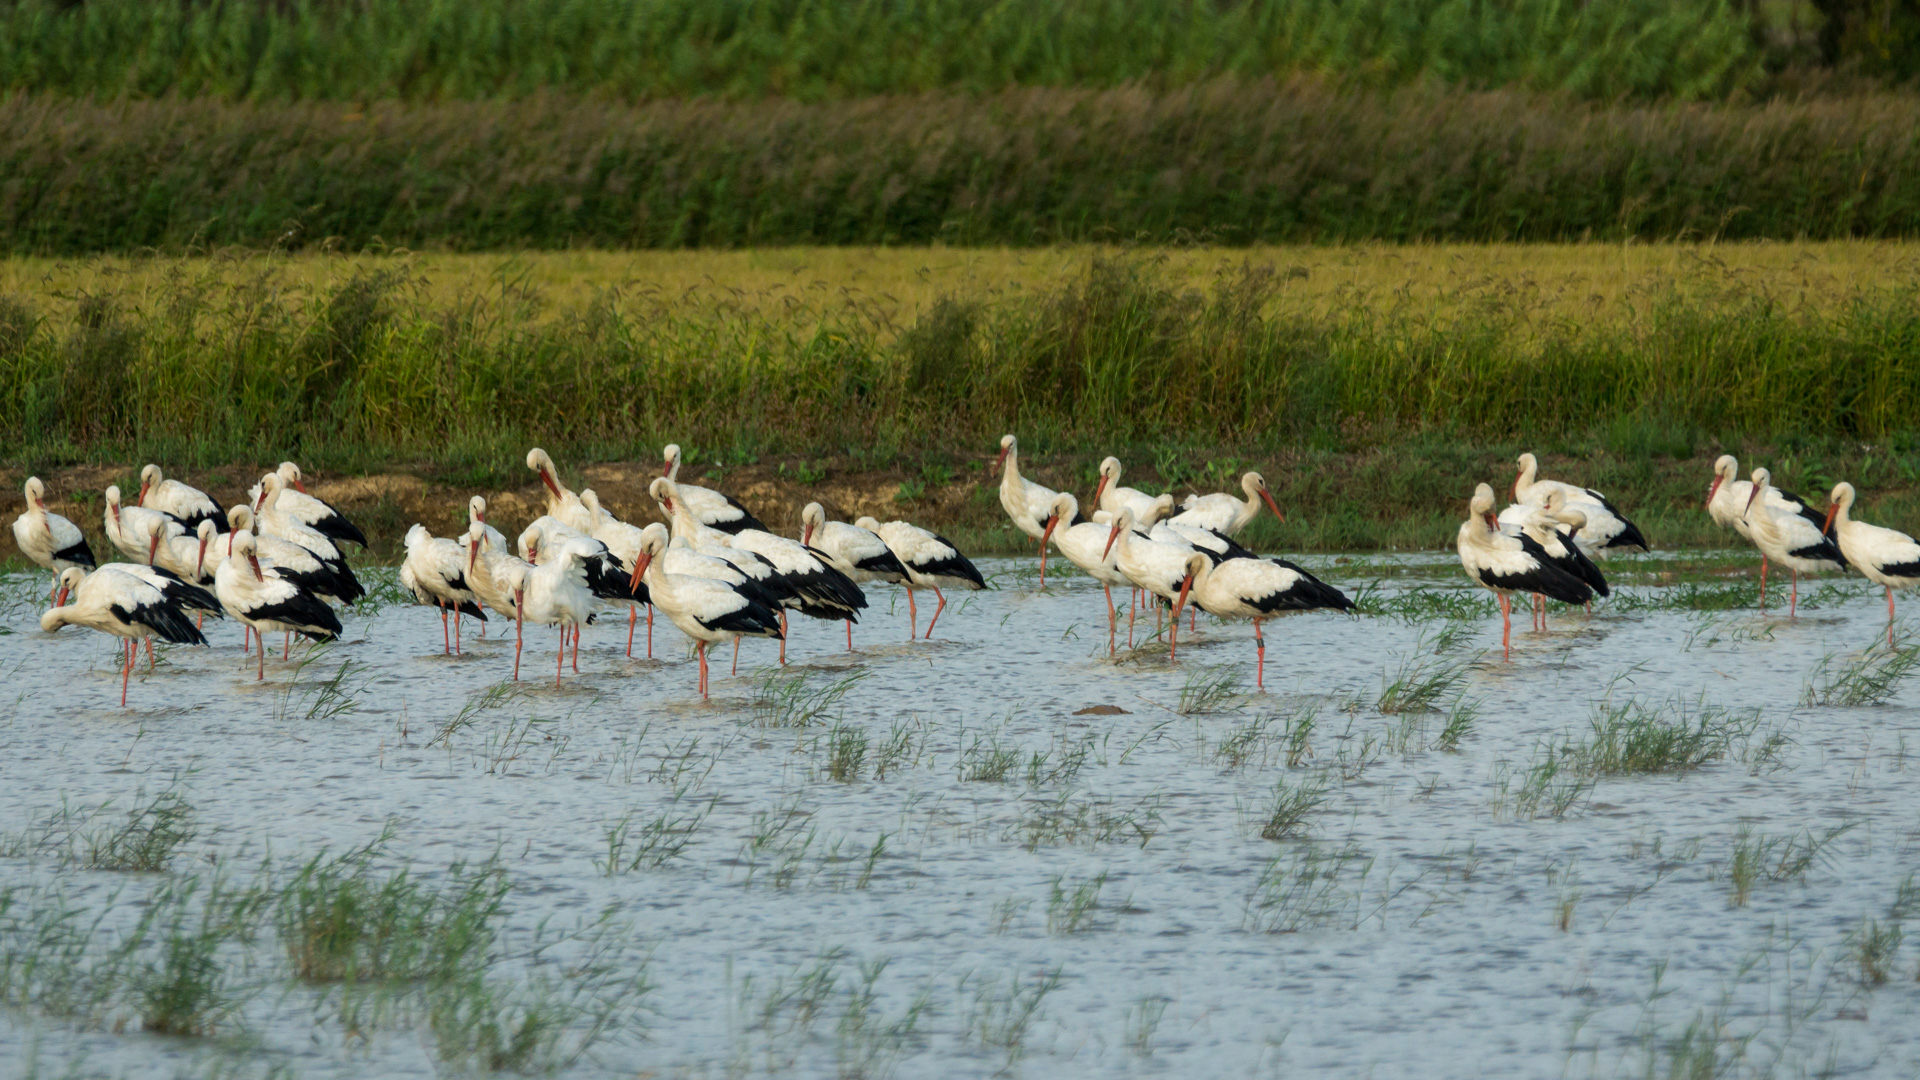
(275, 563)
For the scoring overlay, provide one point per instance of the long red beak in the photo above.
(1715, 489)
(1185, 587)
(533, 553)
(200, 560)
(1493, 522)
(142, 500)
(61, 600)
(1099, 489)
(300, 485)
(999, 461)
(116, 515)
(666, 467)
(806, 535)
(153, 545)
(1267, 497)
(639, 571)
(1053, 521)
(261, 500)
(1752, 496)
(1111, 537)
(1827, 525)
(473, 554)
(667, 504)
(547, 479)
(254, 561)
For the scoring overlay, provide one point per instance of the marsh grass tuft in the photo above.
(661, 840)
(1307, 885)
(1631, 737)
(1460, 718)
(1000, 1014)
(1210, 689)
(987, 761)
(1071, 908)
(793, 699)
(1064, 819)
(146, 841)
(1866, 678)
(1286, 815)
(1874, 946)
(847, 748)
(1790, 857)
(1420, 682)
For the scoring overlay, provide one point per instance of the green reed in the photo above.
(1297, 160)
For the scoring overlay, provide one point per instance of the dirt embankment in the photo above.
(386, 504)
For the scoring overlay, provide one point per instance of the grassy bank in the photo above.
(429, 49)
(1237, 162)
(1373, 387)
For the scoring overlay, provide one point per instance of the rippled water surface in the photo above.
(1105, 905)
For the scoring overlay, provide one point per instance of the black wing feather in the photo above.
(752, 619)
(1545, 578)
(745, 521)
(167, 622)
(79, 554)
(335, 526)
(1311, 591)
(955, 566)
(1577, 564)
(306, 613)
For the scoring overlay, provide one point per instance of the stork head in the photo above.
(1006, 447)
(1481, 506)
(663, 491)
(530, 539)
(1065, 508)
(517, 582)
(36, 494)
(155, 530)
(871, 524)
(1761, 480)
(539, 462)
(1197, 567)
(1162, 506)
(1529, 468)
(149, 479)
(1724, 469)
(207, 532)
(590, 499)
(476, 509)
(289, 473)
(1255, 484)
(813, 519)
(1122, 521)
(244, 547)
(670, 461)
(653, 542)
(113, 504)
(1839, 501)
(476, 537)
(70, 579)
(238, 517)
(270, 488)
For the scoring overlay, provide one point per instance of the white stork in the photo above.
(1787, 539)
(1887, 557)
(1085, 546)
(188, 504)
(260, 597)
(690, 562)
(315, 513)
(562, 503)
(1727, 500)
(1554, 527)
(477, 515)
(930, 560)
(492, 575)
(1606, 527)
(707, 506)
(858, 553)
(1027, 503)
(1257, 589)
(272, 517)
(183, 556)
(556, 592)
(435, 572)
(1225, 514)
(51, 541)
(706, 610)
(130, 527)
(805, 581)
(1158, 568)
(1508, 564)
(623, 543)
(1108, 495)
(117, 599)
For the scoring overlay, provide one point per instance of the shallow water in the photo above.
(1444, 932)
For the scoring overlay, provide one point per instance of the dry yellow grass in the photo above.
(1578, 283)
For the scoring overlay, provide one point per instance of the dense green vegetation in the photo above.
(1239, 162)
(445, 49)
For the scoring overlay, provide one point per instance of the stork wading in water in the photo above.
(1607, 529)
(130, 528)
(556, 592)
(1788, 540)
(119, 599)
(930, 560)
(1257, 589)
(1108, 495)
(1028, 504)
(435, 572)
(1887, 557)
(51, 541)
(188, 505)
(257, 595)
(1085, 546)
(858, 553)
(705, 505)
(1553, 527)
(1225, 514)
(273, 518)
(1157, 568)
(706, 610)
(1510, 564)
(308, 509)
(490, 575)
(600, 573)
(623, 544)
(1727, 500)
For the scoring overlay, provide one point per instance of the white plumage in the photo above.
(188, 504)
(1026, 502)
(562, 503)
(302, 506)
(1787, 540)
(131, 528)
(1225, 514)
(1507, 564)
(259, 596)
(51, 541)
(707, 610)
(1606, 527)
(1257, 589)
(858, 553)
(1887, 557)
(930, 561)
(477, 515)
(273, 519)
(556, 593)
(1108, 495)
(133, 603)
(707, 506)
(1158, 568)
(435, 572)
(1085, 546)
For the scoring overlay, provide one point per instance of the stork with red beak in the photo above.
(1888, 557)
(1026, 502)
(562, 503)
(301, 505)
(260, 597)
(1108, 495)
(133, 603)
(706, 610)
(1085, 546)
(711, 508)
(189, 505)
(1510, 564)
(130, 527)
(51, 541)
(1160, 569)
(1225, 514)
(1787, 539)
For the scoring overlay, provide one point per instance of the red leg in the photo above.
(126, 671)
(783, 637)
(1193, 619)
(1113, 620)
(286, 647)
(1763, 586)
(633, 620)
(1260, 676)
(913, 616)
(1133, 608)
(560, 661)
(261, 674)
(849, 635)
(703, 669)
(456, 630)
(936, 611)
(1043, 564)
(149, 654)
(576, 648)
(519, 639)
(1173, 638)
(446, 643)
(736, 656)
(1793, 604)
(246, 639)
(649, 631)
(1889, 616)
(1506, 625)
